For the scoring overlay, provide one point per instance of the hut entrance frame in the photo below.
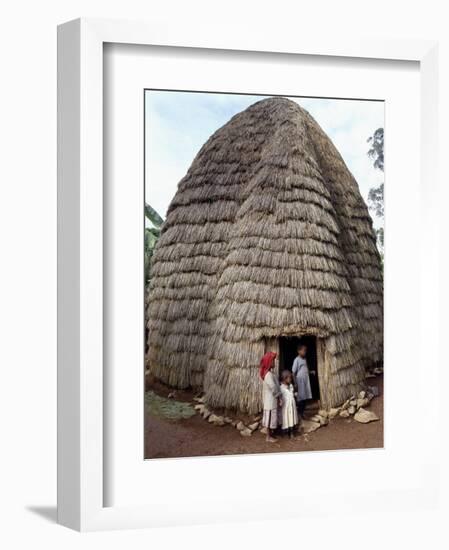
(288, 346)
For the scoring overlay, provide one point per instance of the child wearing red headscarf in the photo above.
(271, 394)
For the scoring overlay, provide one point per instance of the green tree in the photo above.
(376, 194)
(376, 151)
(152, 234)
(376, 200)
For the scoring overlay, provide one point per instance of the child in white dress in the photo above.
(289, 413)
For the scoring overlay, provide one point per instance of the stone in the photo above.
(246, 432)
(323, 413)
(206, 413)
(363, 416)
(344, 413)
(362, 402)
(253, 426)
(228, 420)
(263, 430)
(171, 395)
(378, 370)
(345, 404)
(374, 390)
(352, 409)
(199, 408)
(333, 412)
(199, 399)
(216, 420)
(240, 426)
(362, 394)
(323, 421)
(309, 426)
(353, 402)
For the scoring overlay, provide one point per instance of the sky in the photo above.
(178, 123)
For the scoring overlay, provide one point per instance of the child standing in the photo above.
(271, 394)
(289, 412)
(301, 374)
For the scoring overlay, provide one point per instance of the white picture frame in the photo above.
(81, 407)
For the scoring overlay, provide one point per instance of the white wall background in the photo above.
(28, 269)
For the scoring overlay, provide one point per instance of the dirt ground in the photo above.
(194, 436)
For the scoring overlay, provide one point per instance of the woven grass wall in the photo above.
(268, 235)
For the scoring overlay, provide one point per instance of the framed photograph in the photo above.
(244, 275)
(263, 275)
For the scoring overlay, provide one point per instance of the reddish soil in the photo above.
(196, 437)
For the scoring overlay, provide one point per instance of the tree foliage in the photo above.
(376, 200)
(376, 194)
(376, 151)
(152, 235)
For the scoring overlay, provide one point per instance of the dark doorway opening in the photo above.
(288, 350)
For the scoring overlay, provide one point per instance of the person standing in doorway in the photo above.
(300, 372)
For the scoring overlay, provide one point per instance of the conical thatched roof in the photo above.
(267, 235)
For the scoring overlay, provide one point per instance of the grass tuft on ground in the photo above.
(170, 409)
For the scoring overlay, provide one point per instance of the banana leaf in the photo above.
(150, 239)
(153, 216)
(152, 235)
(154, 231)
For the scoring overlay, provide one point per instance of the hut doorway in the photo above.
(288, 346)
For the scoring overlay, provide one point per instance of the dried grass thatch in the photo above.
(267, 236)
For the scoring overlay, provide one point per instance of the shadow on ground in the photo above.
(47, 512)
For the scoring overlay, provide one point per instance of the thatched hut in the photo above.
(266, 240)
